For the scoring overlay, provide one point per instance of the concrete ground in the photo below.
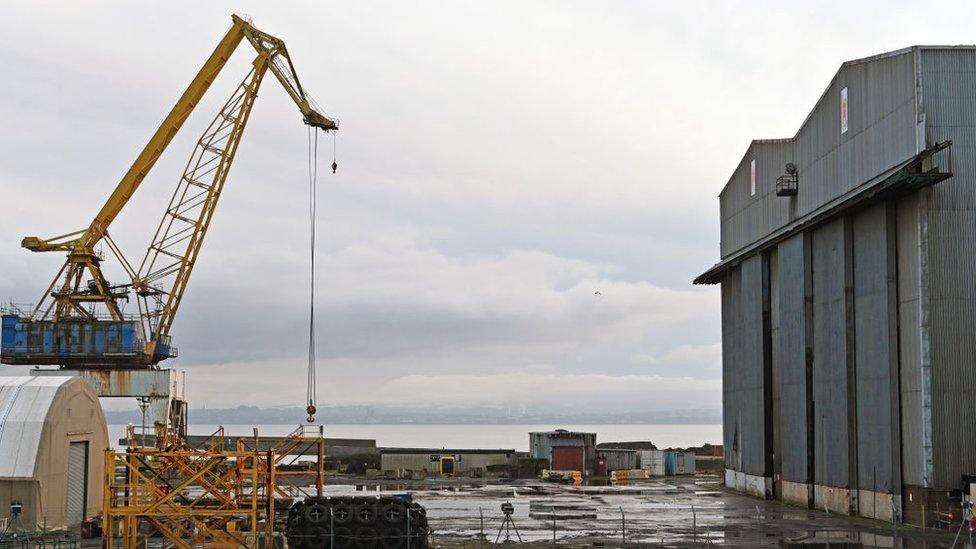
(688, 511)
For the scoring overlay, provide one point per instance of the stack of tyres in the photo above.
(356, 522)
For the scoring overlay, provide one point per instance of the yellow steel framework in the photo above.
(162, 277)
(189, 497)
(286, 453)
(208, 496)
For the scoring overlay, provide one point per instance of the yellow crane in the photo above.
(161, 278)
(79, 323)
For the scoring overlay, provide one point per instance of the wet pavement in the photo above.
(677, 511)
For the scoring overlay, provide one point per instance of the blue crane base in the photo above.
(78, 343)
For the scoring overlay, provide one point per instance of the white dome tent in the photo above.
(52, 442)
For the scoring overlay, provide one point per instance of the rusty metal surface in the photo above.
(128, 383)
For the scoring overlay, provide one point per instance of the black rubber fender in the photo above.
(393, 537)
(316, 514)
(393, 513)
(343, 538)
(366, 537)
(343, 513)
(317, 537)
(366, 513)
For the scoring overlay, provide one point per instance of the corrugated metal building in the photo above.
(565, 450)
(684, 463)
(465, 461)
(52, 439)
(617, 459)
(667, 462)
(849, 293)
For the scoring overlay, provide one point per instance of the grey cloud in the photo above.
(499, 162)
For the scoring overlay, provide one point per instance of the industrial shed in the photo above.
(433, 460)
(565, 450)
(847, 281)
(52, 439)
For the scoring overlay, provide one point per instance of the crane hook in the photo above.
(334, 164)
(311, 413)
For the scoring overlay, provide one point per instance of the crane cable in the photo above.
(313, 172)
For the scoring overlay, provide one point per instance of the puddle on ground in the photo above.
(673, 511)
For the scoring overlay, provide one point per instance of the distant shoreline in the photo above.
(234, 423)
(470, 435)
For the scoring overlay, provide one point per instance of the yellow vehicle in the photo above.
(448, 466)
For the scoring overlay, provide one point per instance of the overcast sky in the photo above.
(500, 163)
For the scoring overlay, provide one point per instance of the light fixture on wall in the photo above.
(787, 185)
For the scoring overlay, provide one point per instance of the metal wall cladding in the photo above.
(619, 460)
(731, 364)
(747, 217)
(791, 360)
(875, 350)
(464, 462)
(949, 103)
(752, 388)
(775, 369)
(538, 446)
(684, 463)
(743, 393)
(410, 462)
(652, 461)
(831, 439)
(915, 431)
(882, 127)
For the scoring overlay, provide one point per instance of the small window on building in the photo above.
(752, 177)
(843, 110)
